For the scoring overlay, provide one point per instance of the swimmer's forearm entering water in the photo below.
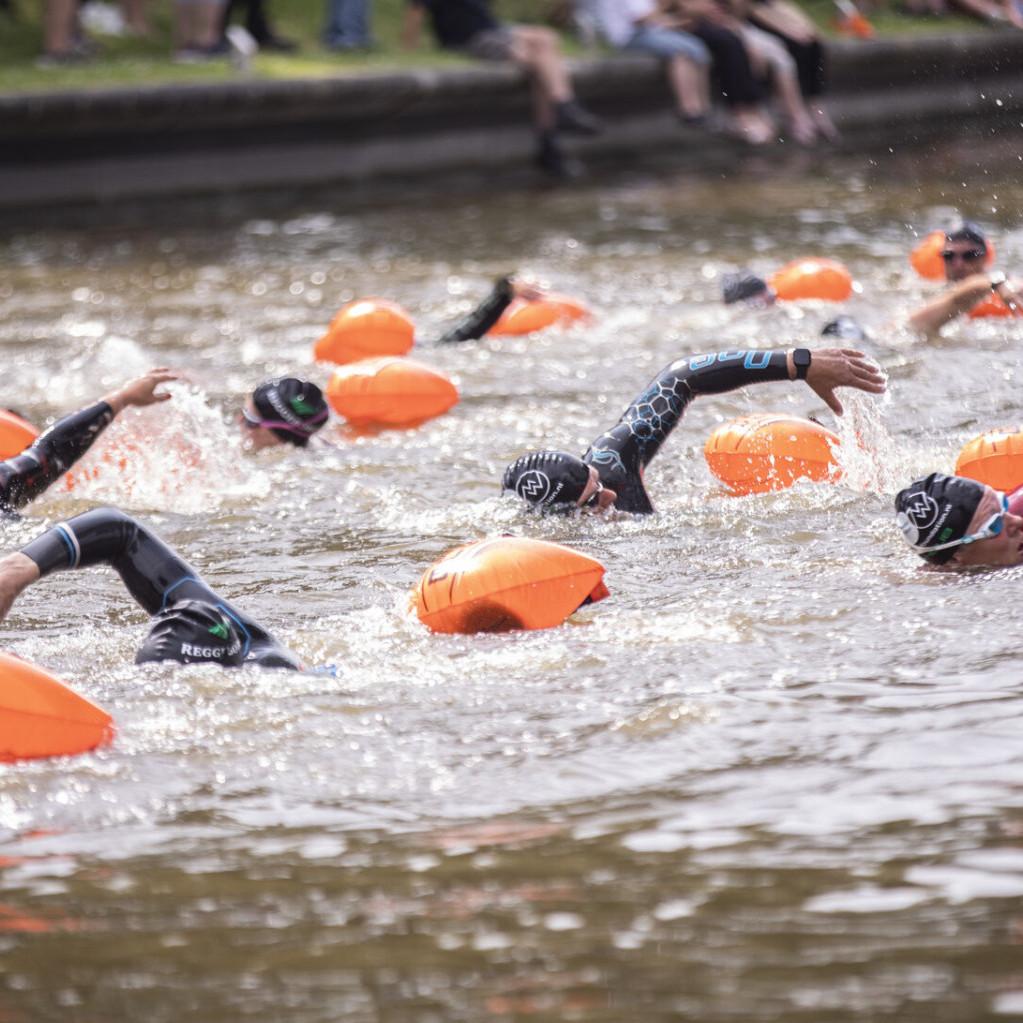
(26, 475)
(192, 622)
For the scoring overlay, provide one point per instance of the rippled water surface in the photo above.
(778, 775)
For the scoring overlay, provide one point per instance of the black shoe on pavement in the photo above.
(570, 117)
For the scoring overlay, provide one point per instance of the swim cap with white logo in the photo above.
(547, 478)
(935, 510)
(192, 631)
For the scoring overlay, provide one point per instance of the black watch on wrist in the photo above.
(801, 360)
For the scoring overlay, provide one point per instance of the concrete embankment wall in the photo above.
(166, 140)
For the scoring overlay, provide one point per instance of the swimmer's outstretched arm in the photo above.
(54, 451)
(488, 312)
(17, 573)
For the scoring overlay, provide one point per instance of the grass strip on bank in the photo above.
(130, 62)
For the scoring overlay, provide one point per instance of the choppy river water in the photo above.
(778, 775)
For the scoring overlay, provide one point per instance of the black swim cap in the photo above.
(936, 510)
(744, 285)
(193, 631)
(967, 231)
(845, 328)
(293, 410)
(547, 478)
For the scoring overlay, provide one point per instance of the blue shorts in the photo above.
(667, 43)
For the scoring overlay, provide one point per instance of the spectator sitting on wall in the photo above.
(470, 27)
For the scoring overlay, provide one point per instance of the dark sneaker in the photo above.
(570, 117)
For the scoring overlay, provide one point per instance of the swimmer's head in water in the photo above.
(193, 631)
(293, 410)
(846, 329)
(547, 479)
(745, 286)
(936, 510)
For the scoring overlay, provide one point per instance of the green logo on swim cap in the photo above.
(220, 631)
(946, 533)
(301, 406)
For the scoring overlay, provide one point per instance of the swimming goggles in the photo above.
(305, 429)
(949, 255)
(991, 528)
(591, 501)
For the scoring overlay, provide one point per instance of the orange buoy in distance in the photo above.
(523, 316)
(16, 434)
(817, 277)
(42, 717)
(762, 452)
(510, 582)
(390, 392)
(994, 458)
(366, 328)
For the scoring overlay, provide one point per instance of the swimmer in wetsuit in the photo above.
(191, 622)
(26, 475)
(611, 471)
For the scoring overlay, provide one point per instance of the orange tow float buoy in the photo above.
(762, 452)
(16, 434)
(391, 392)
(818, 277)
(926, 257)
(991, 305)
(41, 717)
(994, 458)
(523, 316)
(511, 582)
(366, 328)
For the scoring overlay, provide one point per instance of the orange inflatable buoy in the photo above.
(364, 329)
(926, 257)
(41, 717)
(16, 434)
(994, 458)
(392, 392)
(523, 317)
(511, 582)
(813, 278)
(991, 305)
(761, 452)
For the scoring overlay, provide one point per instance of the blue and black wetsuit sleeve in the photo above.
(621, 454)
(483, 317)
(154, 575)
(25, 476)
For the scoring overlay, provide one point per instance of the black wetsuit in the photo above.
(484, 316)
(154, 575)
(51, 454)
(621, 454)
